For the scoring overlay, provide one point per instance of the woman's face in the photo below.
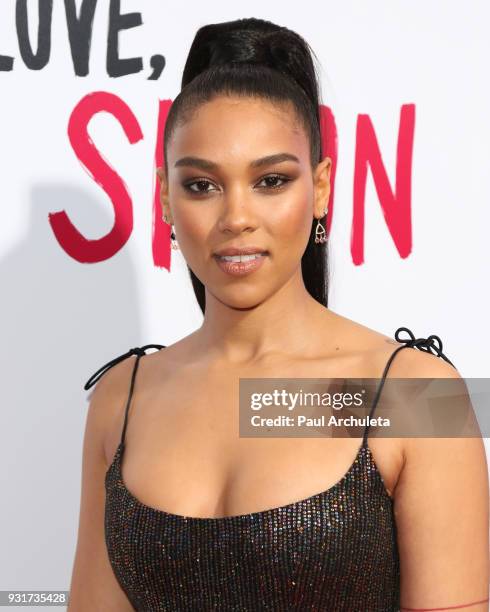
(221, 192)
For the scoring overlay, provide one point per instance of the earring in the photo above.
(320, 233)
(174, 245)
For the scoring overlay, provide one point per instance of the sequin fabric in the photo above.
(334, 551)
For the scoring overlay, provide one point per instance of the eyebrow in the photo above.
(206, 164)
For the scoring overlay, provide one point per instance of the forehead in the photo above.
(232, 130)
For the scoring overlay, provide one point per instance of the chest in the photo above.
(334, 550)
(184, 453)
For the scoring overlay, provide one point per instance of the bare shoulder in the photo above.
(93, 583)
(108, 399)
(414, 363)
(376, 348)
(411, 362)
(106, 405)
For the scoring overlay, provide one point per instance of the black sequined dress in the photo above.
(335, 551)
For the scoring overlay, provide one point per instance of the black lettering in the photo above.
(116, 66)
(39, 59)
(157, 62)
(6, 63)
(80, 33)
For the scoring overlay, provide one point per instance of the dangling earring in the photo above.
(320, 233)
(173, 242)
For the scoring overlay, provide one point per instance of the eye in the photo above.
(200, 184)
(272, 179)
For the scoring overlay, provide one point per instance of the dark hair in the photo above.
(253, 57)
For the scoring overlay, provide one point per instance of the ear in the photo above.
(322, 187)
(164, 201)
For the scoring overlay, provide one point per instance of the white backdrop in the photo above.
(61, 319)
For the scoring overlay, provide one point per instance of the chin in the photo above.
(240, 298)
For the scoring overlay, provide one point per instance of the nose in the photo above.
(237, 214)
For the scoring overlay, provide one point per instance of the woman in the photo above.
(197, 518)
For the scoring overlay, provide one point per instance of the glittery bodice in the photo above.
(334, 551)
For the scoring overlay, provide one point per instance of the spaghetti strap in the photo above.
(139, 352)
(432, 344)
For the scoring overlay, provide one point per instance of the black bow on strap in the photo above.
(138, 350)
(432, 344)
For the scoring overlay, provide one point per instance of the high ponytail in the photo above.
(256, 58)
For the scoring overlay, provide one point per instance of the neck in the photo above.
(282, 322)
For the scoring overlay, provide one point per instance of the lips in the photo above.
(233, 251)
(240, 258)
(240, 265)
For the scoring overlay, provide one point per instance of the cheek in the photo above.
(190, 224)
(290, 222)
(193, 232)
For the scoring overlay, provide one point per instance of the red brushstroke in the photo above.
(395, 206)
(70, 239)
(160, 234)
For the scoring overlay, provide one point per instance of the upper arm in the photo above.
(442, 516)
(93, 584)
